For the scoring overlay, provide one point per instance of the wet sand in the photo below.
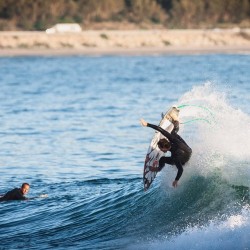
(130, 52)
(134, 42)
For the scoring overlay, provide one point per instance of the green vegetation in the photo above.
(66, 45)
(104, 36)
(42, 14)
(23, 46)
(41, 45)
(166, 43)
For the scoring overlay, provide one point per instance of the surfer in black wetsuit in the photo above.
(17, 193)
(180, 151)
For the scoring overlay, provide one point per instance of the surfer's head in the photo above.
(164, 145)
(25, 188)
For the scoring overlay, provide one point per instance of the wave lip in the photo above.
(232, 233)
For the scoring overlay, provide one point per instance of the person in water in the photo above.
(17, 193)
(180, 151)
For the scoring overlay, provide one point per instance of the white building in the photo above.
(64, 28)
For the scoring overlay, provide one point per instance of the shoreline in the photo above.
(173, 50)
(125, 42)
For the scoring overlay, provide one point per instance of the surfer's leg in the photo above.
(165, 160)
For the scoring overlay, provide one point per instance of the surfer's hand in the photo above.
(143, 123)
(43, 195)
(175, 183)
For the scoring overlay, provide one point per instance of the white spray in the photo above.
(220, 137)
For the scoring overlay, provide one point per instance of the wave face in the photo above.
(211, 208)
(78, 140)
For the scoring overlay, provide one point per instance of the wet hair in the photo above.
(25, 184)
(163, 143)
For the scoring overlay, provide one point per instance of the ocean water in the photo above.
(70, 127)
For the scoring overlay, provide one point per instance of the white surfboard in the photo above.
(154, 153)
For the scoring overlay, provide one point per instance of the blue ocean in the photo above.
(70, 128)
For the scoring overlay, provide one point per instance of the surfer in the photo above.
(17, 193)
(180, 151)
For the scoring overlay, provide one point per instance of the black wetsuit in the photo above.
(14, 194)
(180, 151)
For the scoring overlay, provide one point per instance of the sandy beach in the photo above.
(130, 42)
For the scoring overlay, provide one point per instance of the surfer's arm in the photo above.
(179, 173)
(162, 131)
(180, 170)
(37, 197)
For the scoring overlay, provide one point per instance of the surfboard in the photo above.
(154, 153)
